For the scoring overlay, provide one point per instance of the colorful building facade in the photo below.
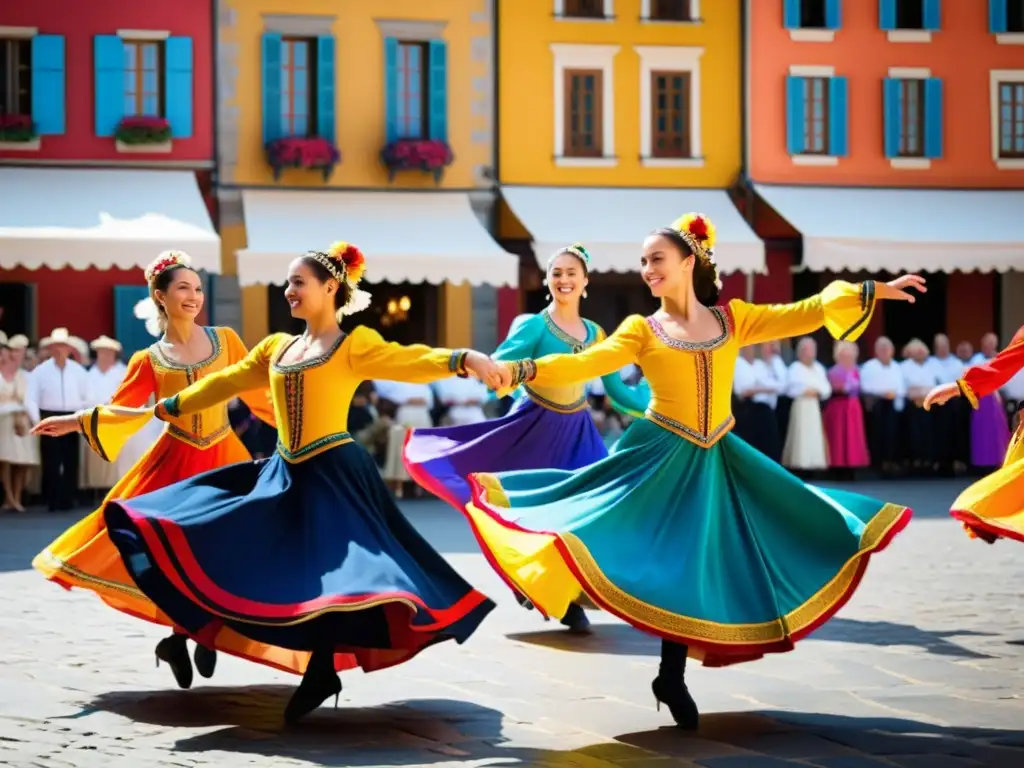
(106, 150)
(889, 136)
(371, 123)
(617, 116)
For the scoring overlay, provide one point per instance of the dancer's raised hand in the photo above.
(940, 394)
(899, 289)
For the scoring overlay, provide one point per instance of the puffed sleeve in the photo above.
(985, 378)
(106, 427)
(615, 352)
(844, 309)
(370, 357)
(259, 401)
(631, 400)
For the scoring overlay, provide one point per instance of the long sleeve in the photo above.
(259, 401)
(981, 380)
(370, 357)
(105, 427)
(32, 396)
(252, 372)
(631, 400)
(844, 309)
(615, 352)
(521, 342)
(138, 384)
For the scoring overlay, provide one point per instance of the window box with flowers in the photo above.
(426, 155)
(143, 133)
(309, 153)
(18, 132)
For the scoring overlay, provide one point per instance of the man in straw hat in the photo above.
(104, 377)
(58, 387)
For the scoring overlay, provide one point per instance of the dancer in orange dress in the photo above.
(83, 556)
(993, 507)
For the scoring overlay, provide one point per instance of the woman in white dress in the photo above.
(102, 381)
(19, 451)
(414, 402)
(807, 384)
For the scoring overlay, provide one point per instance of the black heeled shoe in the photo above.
(523, 600)
(576, 621)
(205, 659)
(676, 696)
(174, 652)
(311, 693)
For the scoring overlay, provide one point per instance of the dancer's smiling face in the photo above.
(663, 266)
(310, 292)
(567, 278)
(180, 292)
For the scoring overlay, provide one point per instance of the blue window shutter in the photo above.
(128, 329)
(887, 14)
(791, 14)
(178, 79)
(893, 116)
(326, 74)
(933, 117)
(795, 116)
(438, 81)
(48, 110)
(108, 64)
(932, 14)
(833, 14)
(271, 87)
(996, 16)
(839, 117)
(391, 89)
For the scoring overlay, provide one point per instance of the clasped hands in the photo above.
(496, 375)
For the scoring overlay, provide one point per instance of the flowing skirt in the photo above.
(995, 504)
(529, 437)
(718, 548)
(805, 446)
(306, 556)
(990, 433)
(844, 428)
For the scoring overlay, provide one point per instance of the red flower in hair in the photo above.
(699, 228)
(355, 262)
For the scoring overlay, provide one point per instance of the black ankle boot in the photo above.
(205, 659)
(576, 620)
(670, 689)
(318, 684)
(173, 652)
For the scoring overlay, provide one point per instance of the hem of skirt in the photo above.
(225, 605)
(62, 573)
(971, 519)
(424, 479)
(718, 654)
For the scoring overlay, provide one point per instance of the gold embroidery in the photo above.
(689, 433)
(199, 441)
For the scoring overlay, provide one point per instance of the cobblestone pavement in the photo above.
(922, 668)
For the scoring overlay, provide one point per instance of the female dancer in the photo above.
(306, 550)
(680, 502)
(83, 556)
(990, 433)
(548, 427)
(994, 506)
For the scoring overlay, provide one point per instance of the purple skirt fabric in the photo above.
(529, 437)
(990, 433)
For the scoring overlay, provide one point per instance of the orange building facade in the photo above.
(888, 136)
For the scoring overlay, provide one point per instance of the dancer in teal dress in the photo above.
(685, 531)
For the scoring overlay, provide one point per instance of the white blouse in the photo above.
(877, 380)
(802, 377)
(919, 375)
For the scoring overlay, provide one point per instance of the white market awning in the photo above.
(103, 218)
(612, 223)
(906, 230)
(411, 237)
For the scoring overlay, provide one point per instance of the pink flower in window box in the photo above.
(143, 129)
(17, 128)
(428, 155)
(310, 152)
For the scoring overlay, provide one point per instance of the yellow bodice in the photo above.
(311, 399)
(691, 382)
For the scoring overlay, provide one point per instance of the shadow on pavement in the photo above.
(426, 731)
(886, 633)
(609, 639)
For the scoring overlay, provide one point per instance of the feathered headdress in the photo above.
(699, 233)
(347, 265)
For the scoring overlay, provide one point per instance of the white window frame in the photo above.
(995, 77)
(670, 59)
(645, 14)
(609, 13)
(582, 56)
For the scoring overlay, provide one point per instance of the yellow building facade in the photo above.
(616, 116)
(328, 113)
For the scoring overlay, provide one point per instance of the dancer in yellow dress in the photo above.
(83, 556)
(685, 531)
(993, 507)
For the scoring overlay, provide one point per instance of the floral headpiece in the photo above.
(346, 264)
(165, 261)
(698, 232)
(577, 250)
